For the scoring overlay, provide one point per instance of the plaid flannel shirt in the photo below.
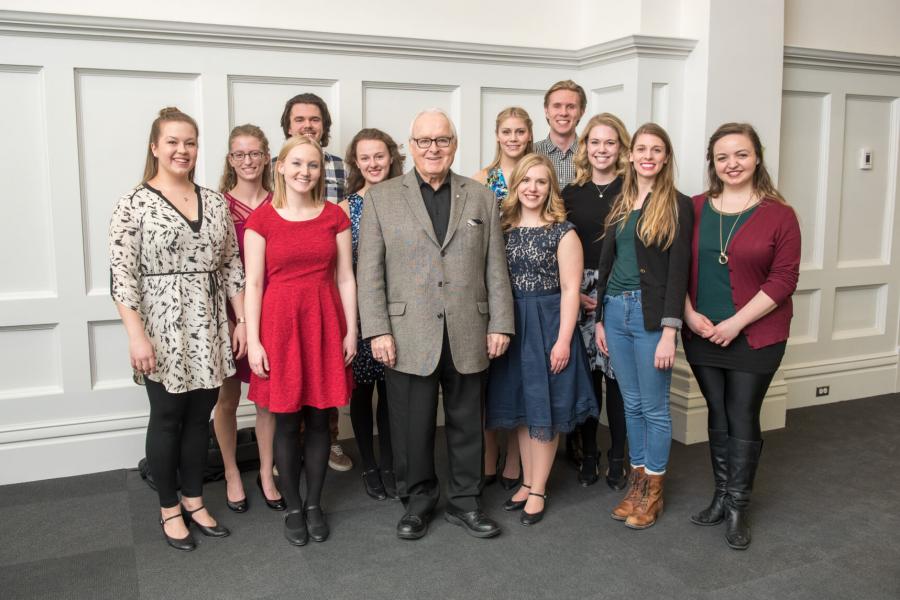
(562, 160)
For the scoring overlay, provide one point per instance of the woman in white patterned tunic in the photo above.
(173, 259)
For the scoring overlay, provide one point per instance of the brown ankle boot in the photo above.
(650, 505)
(632, 496)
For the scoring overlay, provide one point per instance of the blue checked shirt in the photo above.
(562, 159)
(335, 178)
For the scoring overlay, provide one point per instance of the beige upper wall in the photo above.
(868, 26)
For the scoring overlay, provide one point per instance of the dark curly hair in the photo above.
(307, 99)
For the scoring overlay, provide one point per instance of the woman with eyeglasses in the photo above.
(246, 185)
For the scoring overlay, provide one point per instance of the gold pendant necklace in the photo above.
(723, 247)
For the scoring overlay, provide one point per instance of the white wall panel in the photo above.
(805, 324)
(803, 166)
(865, 229)
(859, 311)
(611, 99)
(110, 367)
(26, 231)
(260, 101)
(493, 100)
(659, 104)
(29, 364)
(391, 107)
(111, 163)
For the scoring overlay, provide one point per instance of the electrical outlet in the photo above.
(823, 390)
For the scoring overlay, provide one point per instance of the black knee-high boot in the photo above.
(743, 459)
(718, 452)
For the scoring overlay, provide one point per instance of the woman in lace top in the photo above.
(514, 133)
(173, 260)
(542, 385)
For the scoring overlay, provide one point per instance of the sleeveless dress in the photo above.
(302, 324)
(365, 368)
(240, 212)
(497, 183)
(521, 390)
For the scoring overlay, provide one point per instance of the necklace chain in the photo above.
(605, 187)
(723, 247)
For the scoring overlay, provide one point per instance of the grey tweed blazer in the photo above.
(409, 285)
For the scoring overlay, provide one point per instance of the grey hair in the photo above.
(434, 111)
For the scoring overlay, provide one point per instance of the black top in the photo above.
(664, 273)
(587, 211)
(437, 203)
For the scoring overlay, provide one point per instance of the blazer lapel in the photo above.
(458, 197)
(416, 205)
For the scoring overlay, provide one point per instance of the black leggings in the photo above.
(361, 417)
(734, 399)
(178, 440)
(615, 416)
(316, 446)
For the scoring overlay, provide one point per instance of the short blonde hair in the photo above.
(318, 192)
(567, 84)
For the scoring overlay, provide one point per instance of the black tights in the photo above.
(316, 445)
(615, 416)
(734, 399)
(361, 417)
(177, 440)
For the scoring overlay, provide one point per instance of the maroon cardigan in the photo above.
(764, 255)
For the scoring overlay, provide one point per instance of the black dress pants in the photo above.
(412, 403)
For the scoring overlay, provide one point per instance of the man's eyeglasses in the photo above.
(240, 156)
(425, 143)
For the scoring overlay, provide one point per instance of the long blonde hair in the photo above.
(318, 193)
(169, 113)
(229, 176)
(659, 219)
(583, 169)
(511, 211)
(512, 112)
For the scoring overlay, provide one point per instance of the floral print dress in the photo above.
(176, 274)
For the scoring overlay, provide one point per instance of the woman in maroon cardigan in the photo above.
(744, 269)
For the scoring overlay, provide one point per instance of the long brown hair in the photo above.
(169, 113)
(510, 210)
(355, 179)
(280, 195)
(512, 112)
(583, 169)
(659, 219)
(762, 181)
(229, 176)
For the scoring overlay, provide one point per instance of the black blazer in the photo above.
(664, 273)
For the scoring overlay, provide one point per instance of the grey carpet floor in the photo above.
(826, 521)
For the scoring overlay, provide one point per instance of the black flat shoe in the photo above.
(511, 505)
(528, 518)
(273, 504)
(588, 473)
(475, 522)
(374, 487)
(186, 543)
(316, 523)
(214, 531)
(412, 527)
(389, 480)
(295, 527)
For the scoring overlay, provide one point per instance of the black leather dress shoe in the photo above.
(295, 530)
(240, 506)
(374, 486)
(412, 527)
(186, 543)
(273, 504)
(511, 505)
(475, 522)
(316, 523)
(214, 531)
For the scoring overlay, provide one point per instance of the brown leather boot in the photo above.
(650, 505)
(632, 496)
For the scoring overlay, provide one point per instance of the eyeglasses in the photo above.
(425, 143)
(240, 156)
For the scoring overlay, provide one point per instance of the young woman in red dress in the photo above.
(301, 330)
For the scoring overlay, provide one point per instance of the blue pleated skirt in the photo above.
(521, 390)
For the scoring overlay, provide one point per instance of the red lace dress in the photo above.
(302, 324)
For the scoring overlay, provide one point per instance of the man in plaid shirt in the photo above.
(307, 114)
(564, 104)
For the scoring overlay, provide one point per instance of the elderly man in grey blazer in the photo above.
(434, 298)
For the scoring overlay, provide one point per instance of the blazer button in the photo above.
(440, 315)
(440, 284)
(443, 253)
(643, 270)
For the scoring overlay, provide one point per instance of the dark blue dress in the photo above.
(521, 389)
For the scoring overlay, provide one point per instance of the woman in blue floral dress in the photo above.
(372, 157)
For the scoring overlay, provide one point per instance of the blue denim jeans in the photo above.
(645, 389)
